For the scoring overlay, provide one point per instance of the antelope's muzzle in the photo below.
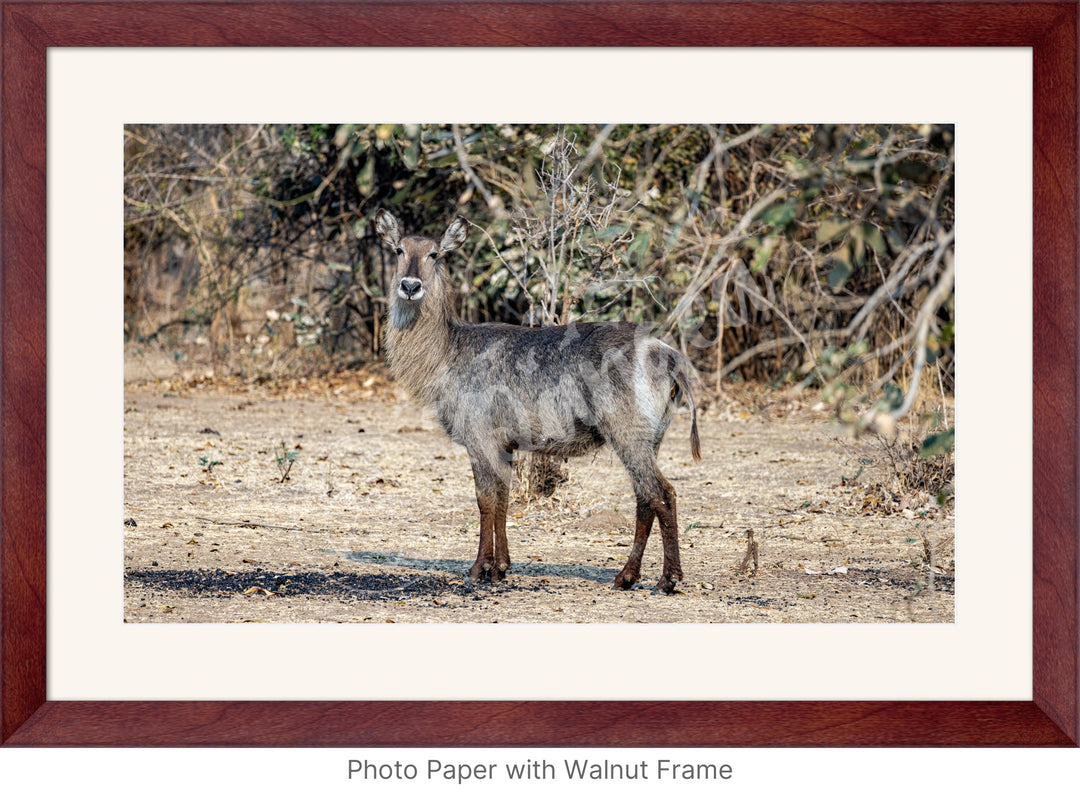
(411, 289)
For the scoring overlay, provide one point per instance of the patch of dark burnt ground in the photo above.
(339, 584)
(908, 579)
(757, 601)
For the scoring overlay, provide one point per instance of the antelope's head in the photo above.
(421, 267)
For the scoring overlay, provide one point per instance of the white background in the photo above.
(986, 654)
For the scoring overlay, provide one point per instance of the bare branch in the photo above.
(886, 421)
(463, 162)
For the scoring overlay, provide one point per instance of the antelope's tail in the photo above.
(682, 381)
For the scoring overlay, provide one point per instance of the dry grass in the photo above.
(377, 520)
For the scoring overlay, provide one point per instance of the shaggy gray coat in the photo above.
(562, 391)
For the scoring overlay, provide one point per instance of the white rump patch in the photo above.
(649, 403)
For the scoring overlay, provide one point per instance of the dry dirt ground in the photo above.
(377, 521)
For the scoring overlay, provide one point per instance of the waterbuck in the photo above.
(561, 391)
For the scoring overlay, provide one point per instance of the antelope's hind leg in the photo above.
(631, 572)
(655, 501)
(669, 530)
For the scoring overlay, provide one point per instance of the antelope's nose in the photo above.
(411, 289)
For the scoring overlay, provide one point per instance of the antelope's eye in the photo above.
(399, 251)
(433, 255)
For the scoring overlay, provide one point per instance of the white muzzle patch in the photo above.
(410, 289)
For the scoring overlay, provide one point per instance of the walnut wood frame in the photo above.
(28, 718)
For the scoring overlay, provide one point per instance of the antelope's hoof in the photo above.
(498, 573)
(626, 579)
(667, 583)
(479, 572)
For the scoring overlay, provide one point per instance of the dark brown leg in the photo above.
(655, 499)
(485, 557)
(492, 477)
(631, 572)
(669, 531)
(501, 563)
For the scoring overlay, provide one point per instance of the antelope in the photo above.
(562, 391)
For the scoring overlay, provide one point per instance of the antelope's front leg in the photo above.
(501, 563)
(485, 557)
(492, 497)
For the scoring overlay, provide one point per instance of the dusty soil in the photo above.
(376, 521)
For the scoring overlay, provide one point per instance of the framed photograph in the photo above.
(73, 673)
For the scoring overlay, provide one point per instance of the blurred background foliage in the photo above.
(790, 255)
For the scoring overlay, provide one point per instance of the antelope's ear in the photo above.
(386, 226)
(454, 237)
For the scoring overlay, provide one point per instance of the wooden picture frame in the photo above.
(28, 718)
